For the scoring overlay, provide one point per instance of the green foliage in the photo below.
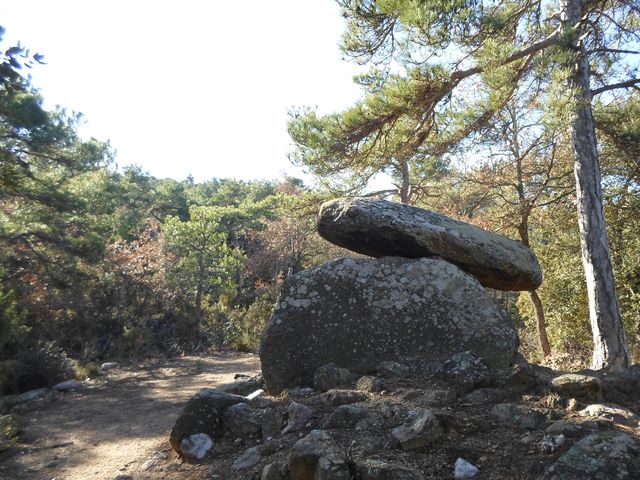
(8, 431)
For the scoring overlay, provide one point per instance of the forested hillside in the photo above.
(100, 263)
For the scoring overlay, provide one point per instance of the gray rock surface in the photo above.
(369, 383)
(343, 397)
(202, 414)
(390, 309)
(612, 412)
(272, 421)
(345, 416)
(195, 447)
(299, 415)
(392, 370)
(317, 456)
(242, 421)
(424, 429)
(580, 386)
(331, 376)
(464, 470)
(381, 228)
(465, 371)
(275, 471)
(600, 456)
(248, 458)
(378, 470)
(517, 416)
(68, 386)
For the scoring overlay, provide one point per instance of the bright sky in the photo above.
(190, 87)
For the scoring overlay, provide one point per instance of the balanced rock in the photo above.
(381, 228)
(359, 312)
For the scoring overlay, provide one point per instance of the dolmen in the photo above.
(419, 301)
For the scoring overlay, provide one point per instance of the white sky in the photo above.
(192, 87)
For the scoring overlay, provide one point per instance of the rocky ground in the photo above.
(524, 422)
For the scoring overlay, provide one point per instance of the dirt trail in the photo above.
(119, 427)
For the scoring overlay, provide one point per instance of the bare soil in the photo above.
(119, 426)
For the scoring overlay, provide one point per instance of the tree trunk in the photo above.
(523, 230)
(610, 343)
(540, 323)
(405, 188)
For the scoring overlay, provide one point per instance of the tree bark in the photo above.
(540, 323)
(610, 344)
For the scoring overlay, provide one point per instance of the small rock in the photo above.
(571, 429)
(463, 469)
(369, 383)
(196, 447)
(330, 376)
(439, 397)
(345, 416)
(517, 416)
(551, 443)
(482, 396)
(342, 397)
(392, 370)
(611, 455)
(299, 415)
(67, 386)
(424, 429)
(318, 456)
(580, 386)
(109, 365)
(148, 465)
(243, 385)
(612, 412)
(465, 371)
(274, 471)
(272, 421)
(298, 392)
(242, 420)
(247, 459)
(377, 470)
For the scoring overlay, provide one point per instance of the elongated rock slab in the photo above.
(357, 313)
(381, 228)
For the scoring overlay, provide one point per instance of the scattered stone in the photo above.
(422, 431)
(439, 397)
(482, 396)
(612, 412)
(68, 386)
(465, 371)
(242, 421)
(390, 309)
(551, 443)
(148, 465)
(463, 469)
(343, 397)
(378, 470)
(247, 459)
(331, 376)
(519, 377)
(109, 365)
(11, 401)
(517, 416)
(298, 392)
(580, 386)
(610, 455)
(318, 456)
(369, 383)
(380, 228)
(299, 415)
(272, 421)
(275, 471)
(392, 370)
(345, 416)
(571, 429)
(195, 447)
(202, 415)
(243, 385)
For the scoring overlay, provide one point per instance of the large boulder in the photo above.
(381, 228)
(359, 312)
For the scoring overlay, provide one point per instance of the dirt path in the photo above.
(119, 427)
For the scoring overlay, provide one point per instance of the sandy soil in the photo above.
(120, 426)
